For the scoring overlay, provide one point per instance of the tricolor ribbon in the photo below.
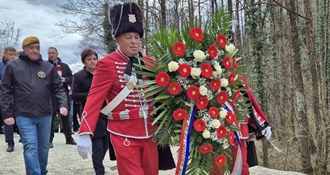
(185, 143)
(238, 162)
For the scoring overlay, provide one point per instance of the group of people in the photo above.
(35, 92)
(113, 115)
(26, 87)
(11, 53)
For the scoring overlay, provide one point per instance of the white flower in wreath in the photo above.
(203, 90)
(173, 66)
(223, 113)
(224, 82)
(229, 91)
(217, 67)
(215, 123)
(225, 145)
(206, 134)
(199, 55)
(230, 48)
(214, 136)
(195, 72)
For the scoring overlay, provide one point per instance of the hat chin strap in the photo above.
(121, 14)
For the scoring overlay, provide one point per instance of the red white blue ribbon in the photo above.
(185, 144)
(238, 166)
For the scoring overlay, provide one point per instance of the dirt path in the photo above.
(65, 160)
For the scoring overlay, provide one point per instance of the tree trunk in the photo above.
(230, 9)
(191, 12)
(326, 29)
(146, 22)
(163, 13)
(215, 4)
(317, 106)
(176, 15)
(199, 12)
(303, 125)
(238, 27)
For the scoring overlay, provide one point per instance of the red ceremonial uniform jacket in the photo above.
(127, 119)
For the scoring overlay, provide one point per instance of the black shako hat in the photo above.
(126, 17)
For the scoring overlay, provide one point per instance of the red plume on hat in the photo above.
(126, 17)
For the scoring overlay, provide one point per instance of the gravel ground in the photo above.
(65, 160)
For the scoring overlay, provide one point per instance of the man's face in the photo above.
(129, 43)
(9, 55)
(32, 51)
(52, 54)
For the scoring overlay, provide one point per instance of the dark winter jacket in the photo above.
(82, 82)
(67, 74)
(27, 87)
(3, 64)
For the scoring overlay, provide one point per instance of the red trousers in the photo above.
(245, 166)
(135, 156)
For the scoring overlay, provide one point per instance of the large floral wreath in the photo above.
(198, 95)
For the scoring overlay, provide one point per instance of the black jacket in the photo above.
(29, 85)
(82, 82)
(67, 74)
(3, 64)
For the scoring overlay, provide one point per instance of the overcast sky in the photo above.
(38, 18)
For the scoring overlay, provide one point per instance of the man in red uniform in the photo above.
(128, 112)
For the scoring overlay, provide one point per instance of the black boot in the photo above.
(10, 148)
(70, 141)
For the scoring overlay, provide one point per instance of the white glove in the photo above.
(84, 145)
(267, 132)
